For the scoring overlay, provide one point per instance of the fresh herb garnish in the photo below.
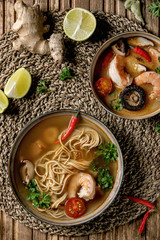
(108, 151)
(159, 59)
(42, 88)
(157, 70)
(116, 102)
(65, 74)
(157, 128)
(154, 8)
(39, 200)
(105, 179)
(94, 165)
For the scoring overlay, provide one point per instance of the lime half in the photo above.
(18, 84)
(79, 24)
(3, 102)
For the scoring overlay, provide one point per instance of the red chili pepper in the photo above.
(107, 59)
(141, 228)
(141, 52)
(71, 127)
(141, 201)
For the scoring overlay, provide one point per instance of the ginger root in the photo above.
(30, 29)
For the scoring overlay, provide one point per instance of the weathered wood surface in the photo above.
(13, 230)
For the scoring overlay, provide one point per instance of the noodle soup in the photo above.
(64, 172)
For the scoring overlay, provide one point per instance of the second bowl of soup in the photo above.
(63, 178)
(125, 75)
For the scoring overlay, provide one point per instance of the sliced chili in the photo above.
(70, 128)
(141, 228)
(141, 201)
(141, 52)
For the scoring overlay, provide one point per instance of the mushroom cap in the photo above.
(133, 97)
(26, 171)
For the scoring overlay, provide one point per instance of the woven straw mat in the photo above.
(138, 140)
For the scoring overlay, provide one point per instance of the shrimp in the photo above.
(85, 182)
(155, 54)
(117, 72)
(152, 78)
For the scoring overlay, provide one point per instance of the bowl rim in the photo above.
(94, 61)
(37, 120)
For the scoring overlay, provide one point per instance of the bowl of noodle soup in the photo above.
(64, 171)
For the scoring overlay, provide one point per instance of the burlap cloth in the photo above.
(138, 140)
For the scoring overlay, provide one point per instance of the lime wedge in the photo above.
(18, 84)
(79, 24)
(3, 102)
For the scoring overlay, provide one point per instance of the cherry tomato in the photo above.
(103, 86)
(75, 207)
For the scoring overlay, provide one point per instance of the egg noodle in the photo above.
(54, 169)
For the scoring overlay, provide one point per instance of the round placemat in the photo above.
(138, 140)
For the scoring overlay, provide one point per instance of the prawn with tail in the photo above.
(150, 77)
(85, 184)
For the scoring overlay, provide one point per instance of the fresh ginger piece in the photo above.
(30, 29)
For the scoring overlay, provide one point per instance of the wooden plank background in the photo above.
(13, 230)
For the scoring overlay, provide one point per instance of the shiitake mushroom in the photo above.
(133, 97)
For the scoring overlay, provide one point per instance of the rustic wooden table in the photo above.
(13, 230)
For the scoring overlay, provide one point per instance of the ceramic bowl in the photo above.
(151, 110)
(14, 175)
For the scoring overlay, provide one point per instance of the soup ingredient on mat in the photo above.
(65, 74)
(75, 207)
(133, 97)
(105, 179)
(39, 200)
(79, 24)
(141, 201)
(30, 29)
(141, 52)
(120, 47)
(43, 87)
(135, 7)
(117, 72)
(154, 8)
(103, 86)
(140, 41)
(83, 185)
(116, 102)
(157, 128)
(141, 228)
(108, 151)
(26, 171)
(3, 102)
(71, 127)
(145, 203)
(18, 84)
(152, 78)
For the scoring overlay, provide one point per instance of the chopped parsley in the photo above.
(157, 70)
(42, 88)
(105, 179)
(157, 128)
(108, 151)
(39, 200)
(65, 74)
(116, 102)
